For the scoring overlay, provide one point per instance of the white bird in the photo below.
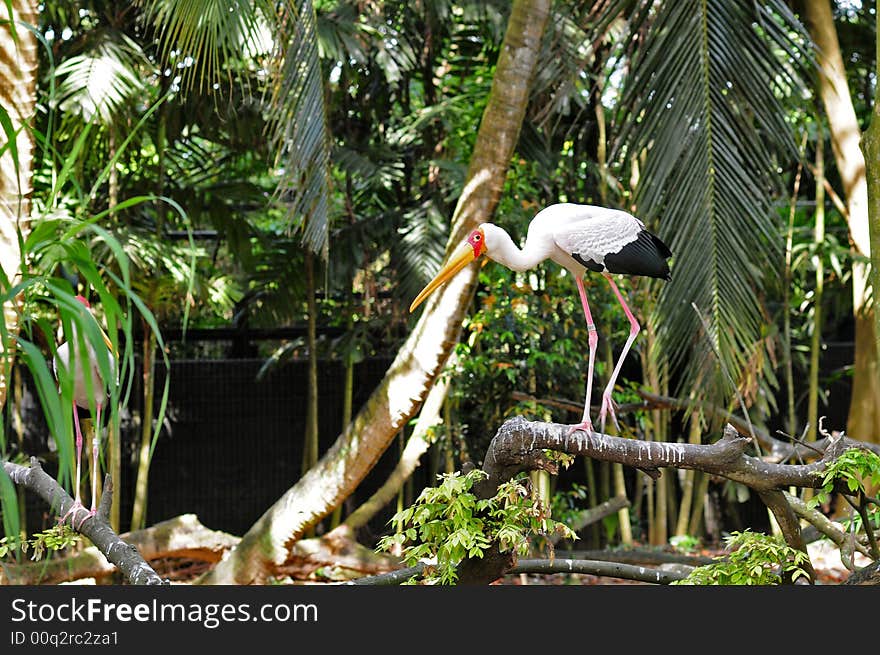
(81, 398)
(578, 238)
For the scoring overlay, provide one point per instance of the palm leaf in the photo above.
(208, 37)
(703, 103)
(298, 128)
(101, 81)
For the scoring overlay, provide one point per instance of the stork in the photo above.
(82, 398)
(579, 238)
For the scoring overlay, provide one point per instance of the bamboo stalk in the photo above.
(816, 341)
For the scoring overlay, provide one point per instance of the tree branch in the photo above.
(598, 567)
(779, 450)
(847, 544)
(517, 440)
(126, 557)
(521, 445)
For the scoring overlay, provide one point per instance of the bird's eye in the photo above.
(477, 237)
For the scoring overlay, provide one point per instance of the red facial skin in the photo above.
(83, 301)
(478, 242)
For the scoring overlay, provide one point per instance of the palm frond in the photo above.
(298, 128)
(339, 33)
(703, 105)
(198, 39)
(419, 250)
(101, 81)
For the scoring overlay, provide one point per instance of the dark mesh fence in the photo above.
(234, 444)
(230, 444)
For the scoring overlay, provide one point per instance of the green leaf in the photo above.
(9, 505)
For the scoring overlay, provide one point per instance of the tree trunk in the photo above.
(18, 89)
(409, 378)
(864, 413)
(310, 444)
(139, 510)
(418, 444)
(871, 151)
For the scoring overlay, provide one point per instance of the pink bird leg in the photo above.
(77, 503)
(607, 404)
(593, 339)
(96, 444)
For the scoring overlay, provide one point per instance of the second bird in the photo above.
(84, 398)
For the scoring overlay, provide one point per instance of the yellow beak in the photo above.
(461, 257)
(107, 341)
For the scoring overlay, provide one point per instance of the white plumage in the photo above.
(592, 232)
(81, 396)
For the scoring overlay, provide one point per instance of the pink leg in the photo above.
(79, 447)
(77, 503)
(593, 339)
(96, 444)
(607, 406)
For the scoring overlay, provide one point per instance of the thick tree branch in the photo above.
(125, 556)
(598, 567)
(517, 440)
(521, 445)
(779, 450)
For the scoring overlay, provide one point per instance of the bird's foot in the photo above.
(77, 509)
(607, 410)
(583, 425)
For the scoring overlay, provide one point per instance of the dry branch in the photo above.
(518, 442)
(124, 556)
(779, 450)
(844, 542)
(604, 568)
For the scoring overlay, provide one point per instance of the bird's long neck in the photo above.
(501, 248)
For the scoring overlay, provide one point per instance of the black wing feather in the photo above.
(645, 256)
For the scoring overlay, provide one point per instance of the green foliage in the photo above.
(852, 468)
(754, 559)
(684, 543)
(56, 538)
(567, 505)
(448, 523)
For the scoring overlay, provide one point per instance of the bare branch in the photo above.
(517, 440)
(598, 567)
(846, 543)
(126, 557)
